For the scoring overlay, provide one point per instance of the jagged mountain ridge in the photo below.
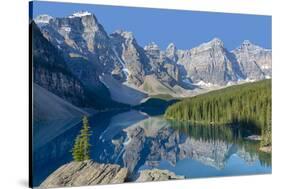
(252, 57)
(51, 71)
(81, 38)
(210, 63)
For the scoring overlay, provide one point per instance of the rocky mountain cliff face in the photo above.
(70, 80)
(51, 72)
(253, 61)
(91, 54)
(135, 62)
(210, 63)
(163, 68)
(82, 39)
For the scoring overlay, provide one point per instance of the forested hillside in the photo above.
(247, 105)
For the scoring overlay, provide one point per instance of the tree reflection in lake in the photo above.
(137, 141)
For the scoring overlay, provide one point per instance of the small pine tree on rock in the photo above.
(81, 148)
(77, 153)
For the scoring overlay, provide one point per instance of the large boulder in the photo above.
(157, 175)
(85, 173)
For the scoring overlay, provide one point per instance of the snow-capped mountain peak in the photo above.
(119, 55)
(80, 14)
(246, 43)
(124, 34)
(171, 46)
(43, 19)
(152, 46)
(215, 42)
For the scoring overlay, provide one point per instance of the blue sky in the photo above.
(186, 29)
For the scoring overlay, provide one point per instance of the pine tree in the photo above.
(81, 148)
(77, 153)
(247, 105)
(85, 136)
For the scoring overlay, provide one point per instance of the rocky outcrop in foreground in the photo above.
(92, 173)
(157, 175)
(85, 173)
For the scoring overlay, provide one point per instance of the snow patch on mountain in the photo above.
(150, 69)
(152, 46)
(43, 19)
(80, 14)
(124, 69)
(202, 83)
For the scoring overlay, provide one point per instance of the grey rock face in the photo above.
(171, 52)
(157, 175)
(209, 63)
(212, 63)
(90, 53)
(65, 86)
(85, 173)
(73, 79)
(255, 62)
(51, 72)
(132, 55)
(140, 62)
(83, 40)
(43, 19)
(164, 69)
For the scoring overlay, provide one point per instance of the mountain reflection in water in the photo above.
(137, 141)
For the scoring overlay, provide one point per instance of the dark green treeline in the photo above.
(247, 105)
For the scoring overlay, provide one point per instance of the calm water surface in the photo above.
(137, 141)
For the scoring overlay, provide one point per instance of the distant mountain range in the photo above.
(93, 66)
